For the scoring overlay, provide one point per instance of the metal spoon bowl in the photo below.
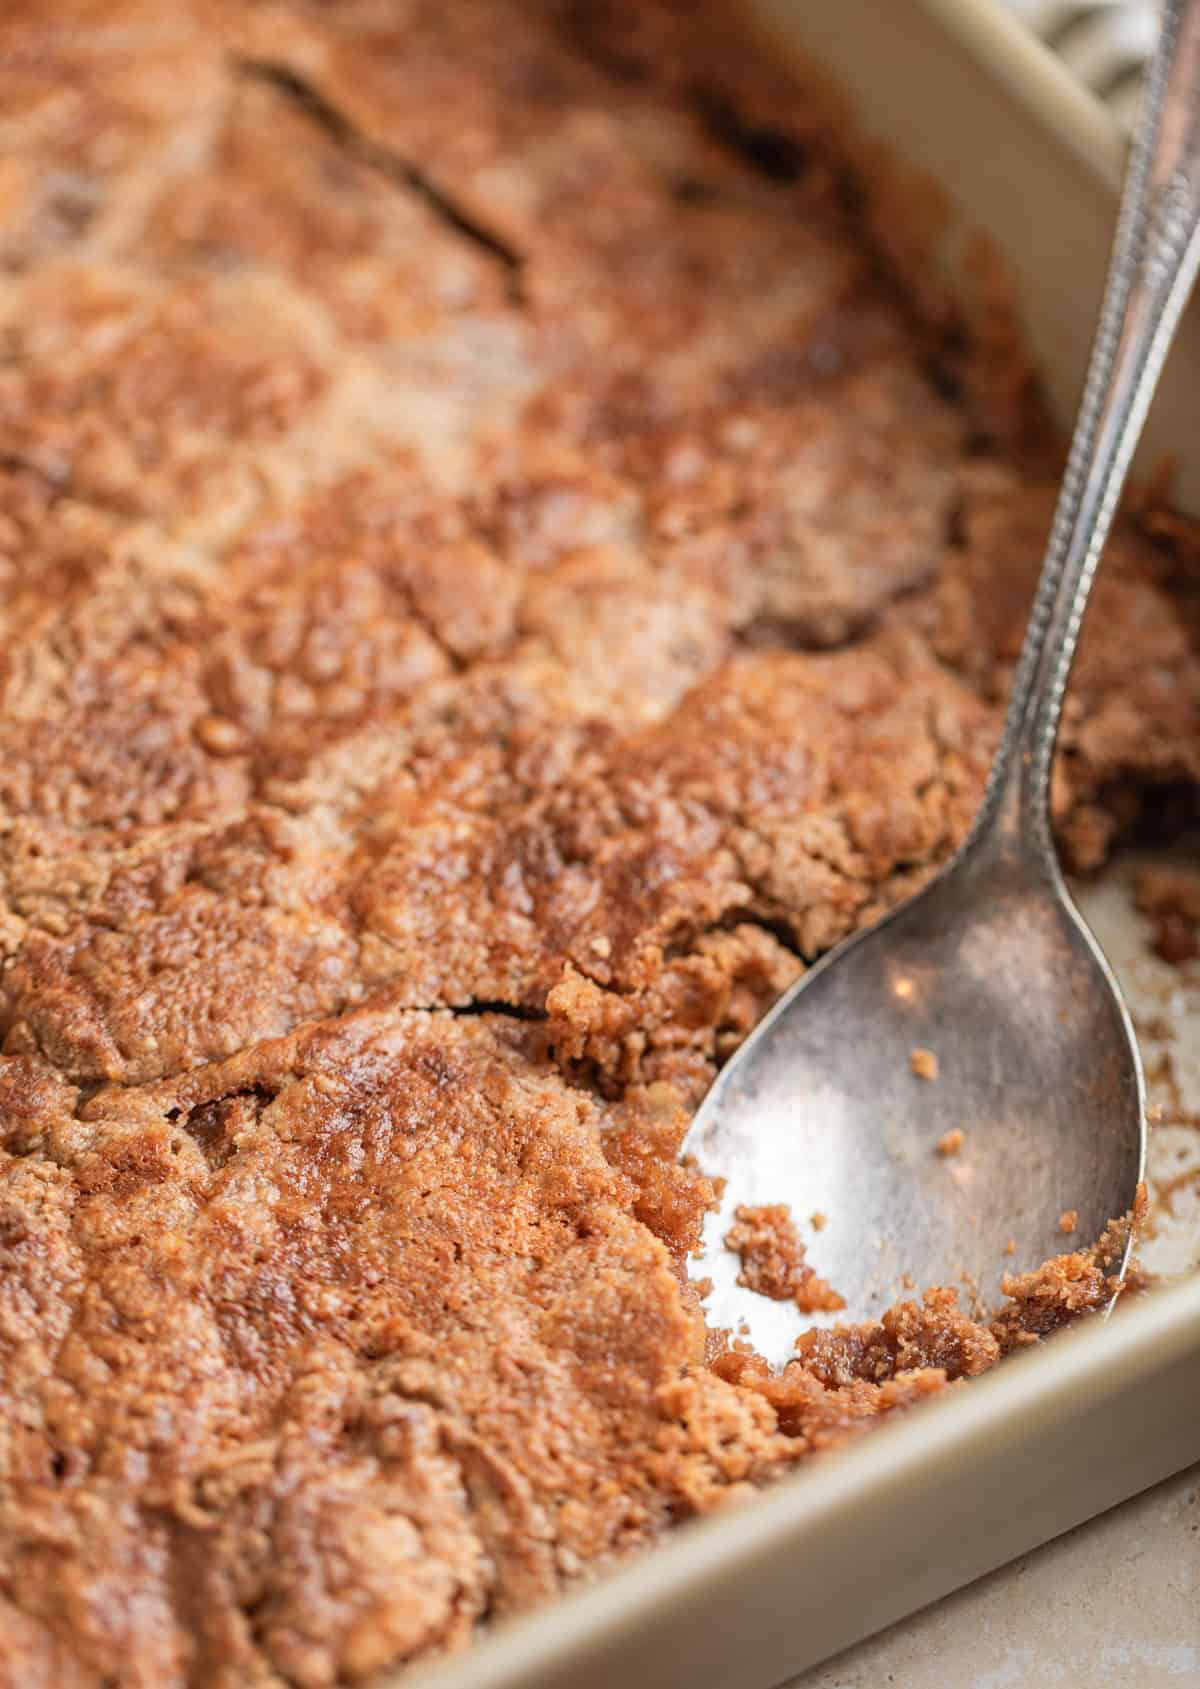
(997, 976)
(991, 967)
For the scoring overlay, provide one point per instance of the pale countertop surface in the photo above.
(1115, 1602)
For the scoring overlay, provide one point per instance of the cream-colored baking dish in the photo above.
(747, 1599)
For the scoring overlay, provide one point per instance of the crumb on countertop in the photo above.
(819, 1221)
(1068, 1221)
(952, 1141)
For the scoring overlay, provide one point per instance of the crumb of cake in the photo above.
(1068, 1286)
(932, 1333)
(1124, 1231)
(772, 1256)
(1010, 1248)
(1051, 1296)
(1160, 886)
(951, 1142)
(924, 1063)
(220, 735)
(818, 1221)
(817, 1296)
(978, 1307)
(1068, 1221)
(1170, 897)
(1175, 939)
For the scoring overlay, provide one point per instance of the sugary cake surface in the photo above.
(494, 577)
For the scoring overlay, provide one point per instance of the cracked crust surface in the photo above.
(494, 577)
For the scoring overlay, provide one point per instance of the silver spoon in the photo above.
(991, 967)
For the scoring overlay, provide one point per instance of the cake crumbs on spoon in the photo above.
(771, 1251)
(924, 1063)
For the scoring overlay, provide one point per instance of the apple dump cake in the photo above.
(497, 575)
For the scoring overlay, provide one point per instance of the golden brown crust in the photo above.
(488, 589)
(1133, 716)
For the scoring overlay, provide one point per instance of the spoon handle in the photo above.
(1154, 261)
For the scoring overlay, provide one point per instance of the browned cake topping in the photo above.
(494, 577)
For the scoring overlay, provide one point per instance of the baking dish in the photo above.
(923, 1506)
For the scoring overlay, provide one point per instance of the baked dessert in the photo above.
(497, 574)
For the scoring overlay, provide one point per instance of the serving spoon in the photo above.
(989, 975)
